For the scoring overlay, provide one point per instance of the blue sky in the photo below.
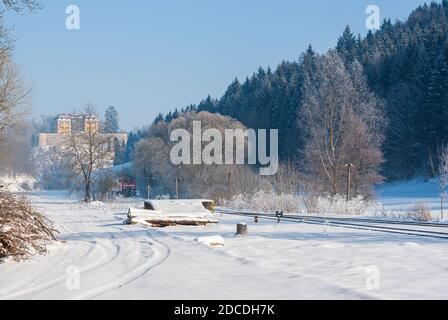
(146, 56)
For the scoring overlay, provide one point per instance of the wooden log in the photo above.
(241, 229)
(157, 222)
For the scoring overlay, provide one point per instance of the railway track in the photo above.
(423, 229)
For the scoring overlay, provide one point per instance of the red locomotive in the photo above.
(127, 187)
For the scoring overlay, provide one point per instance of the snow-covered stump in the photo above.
(241, 229)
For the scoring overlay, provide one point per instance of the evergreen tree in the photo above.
(230, 102)
(406, 65)
(347, 46)
(111, 120)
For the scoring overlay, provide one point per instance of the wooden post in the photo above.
(241, 229)
(177, 189)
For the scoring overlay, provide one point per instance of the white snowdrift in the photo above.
(142, 213)
(212, 241)
(169, 221)
(193, 206)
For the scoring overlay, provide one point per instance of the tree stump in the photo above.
(241, 229)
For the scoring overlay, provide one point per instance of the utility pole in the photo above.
(442, 194)
(228, 185)
(149, 186)
(177, 189)
(349, 166)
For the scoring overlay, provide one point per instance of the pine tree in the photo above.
(208, 104)
(230, 102)
(347, 46)
(111, 120)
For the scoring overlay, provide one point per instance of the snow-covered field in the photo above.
(400, 197)
(276, 261)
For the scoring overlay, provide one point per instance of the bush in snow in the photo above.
(420, 212)
(269, 201)
(338, 204)
(264, 201)
(23, 231)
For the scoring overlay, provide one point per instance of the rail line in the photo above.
(355, 223)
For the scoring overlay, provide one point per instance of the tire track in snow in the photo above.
(159, 255)
(104, 259)
(108, 251)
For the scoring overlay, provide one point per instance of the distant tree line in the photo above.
(406, 68)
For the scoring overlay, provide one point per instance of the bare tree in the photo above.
(245, 180)
(16, 150)
(287, 179)
(344, 124)
(153, 167)
(12, 91)
(105, 182)
(89, 150)
(12, 95)
(443, 177)
(13, 131)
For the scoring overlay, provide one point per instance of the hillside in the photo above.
(406, 65)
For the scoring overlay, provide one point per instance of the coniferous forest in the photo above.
(405, 65)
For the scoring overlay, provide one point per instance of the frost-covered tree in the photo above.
(88, 151)
(443, 177)
(343, 125)
(153, 166)
(13, 103)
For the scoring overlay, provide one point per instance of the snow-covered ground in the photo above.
(21, 183)
(401, 196)
(276, 261)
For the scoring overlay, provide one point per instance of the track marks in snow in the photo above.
(108, 256)
(99, 251)
(159, 253)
